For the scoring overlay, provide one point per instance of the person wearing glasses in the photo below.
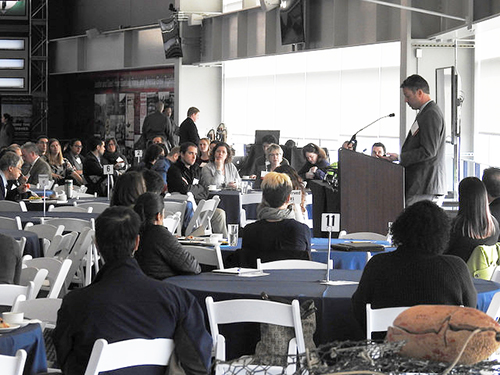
(74, 155)
(10, 171)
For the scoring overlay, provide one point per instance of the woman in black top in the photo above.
(316, 162)
(160, 255)
(474, 225)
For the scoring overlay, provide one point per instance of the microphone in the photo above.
(353, 138)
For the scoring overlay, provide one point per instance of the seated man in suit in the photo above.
(276, 235)
(93, 168)
(123, 303)
(10, 171)
(39, 166)
(184, 176)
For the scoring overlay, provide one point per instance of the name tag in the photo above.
(195, 181)
(263, 174)
(414, 128)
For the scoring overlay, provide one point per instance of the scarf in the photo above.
(265, 212)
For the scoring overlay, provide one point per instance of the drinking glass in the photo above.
(232, 232)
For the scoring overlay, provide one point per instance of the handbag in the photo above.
(272, 349)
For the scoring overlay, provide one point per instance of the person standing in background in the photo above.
(188, 130)
(423, 151)
(6, 131)
(173, 125)
(156, 124)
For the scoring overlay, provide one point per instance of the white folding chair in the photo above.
(494, 307)
(82, 247)
(61, 245)
(171, 222)
(379, 320)
(22, 244)
(13, 206)
(52, 208)
(257, 311)
(208, 255)
(495, 276)
(8, 223)
(200, 221)
(45, 232)
(34, 274)
(172, 207)
(287, 264)
(128, 353)
(43, 309)
(9, 292)
(97, 207)
(57, 272)
(13, 365)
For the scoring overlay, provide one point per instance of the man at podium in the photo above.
(423, 151)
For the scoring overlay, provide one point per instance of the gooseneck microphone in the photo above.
(353, 138)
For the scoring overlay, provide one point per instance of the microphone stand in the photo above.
(353, 138)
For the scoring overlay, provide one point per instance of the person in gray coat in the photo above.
(423, 151)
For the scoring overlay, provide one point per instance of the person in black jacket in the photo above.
(491, 179)
(188, 131)
(417, 272)
(160, 255)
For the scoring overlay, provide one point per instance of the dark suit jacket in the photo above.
(40, 167)
(423, 153)
(182, 180)
(189, 132)
(94, 175)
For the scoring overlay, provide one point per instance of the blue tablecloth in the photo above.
(335, 320)
(29, 338)
(33, 244)
(342, 260)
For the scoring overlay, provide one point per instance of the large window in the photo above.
(487, 118)
(320, 96)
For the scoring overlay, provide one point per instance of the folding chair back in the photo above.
(379, 320)
(202, 215)
(13, 365)
(208, 255)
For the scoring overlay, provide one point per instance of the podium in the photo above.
(370, 194)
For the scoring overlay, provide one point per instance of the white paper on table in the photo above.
(339, 282)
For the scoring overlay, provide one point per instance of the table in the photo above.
(33, 245)
(29, 338)
(347, 260)
(35, 217)
(335, 320)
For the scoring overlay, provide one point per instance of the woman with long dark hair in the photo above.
(160, 255)
(474, 225)
(316, 162)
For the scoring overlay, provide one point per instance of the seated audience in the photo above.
(220, 171)
(123, 303)
(10, 174)
(474, 225)
(113, 156)
(204, 152)
(38, 165)
(154, 182)
(10, 261)
(378, 150)
(160, 255)
(170, 159)
(42, 142)
(153, 153)
(61, 167)
(299, 209)
(417, 272)
(274, 158)
(274, 236)
(184, 176)
(128, 187)
(161, 165)
(259, 164)
(491, 180)
(96, 180)
(73, 154)
(316, 162)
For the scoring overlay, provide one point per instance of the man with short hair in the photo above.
(184, 176)
(157, 124)
(423, 152)
(93, 168)
(491, 179)
(123, 303)
(188, 131)
(10, 171)
(43, 144)
(38, 165)
(378, 150)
